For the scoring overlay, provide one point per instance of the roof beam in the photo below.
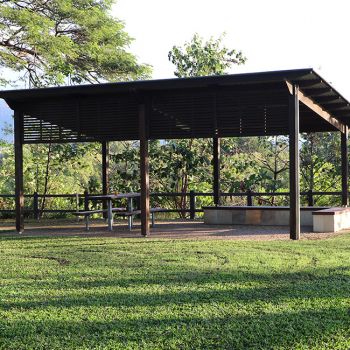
(324, 99)
(336, 105)
(309, 83)
(319, 91)
(318, 109)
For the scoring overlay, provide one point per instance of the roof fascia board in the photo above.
(155, 85)
(318, 109)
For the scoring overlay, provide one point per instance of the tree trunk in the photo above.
(275, 170)
(46, 180)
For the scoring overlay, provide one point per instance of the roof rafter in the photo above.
(318, 109)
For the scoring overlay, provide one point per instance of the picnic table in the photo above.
(109, 198)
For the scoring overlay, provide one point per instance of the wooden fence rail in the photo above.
(83, 199)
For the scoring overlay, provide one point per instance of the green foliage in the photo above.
(189, 159)
(72, 168)
(200, 58)
(259, 164)
(70, 161)
(125, 167)
(59, 41)
(321, 165)
(62, 42)
(103, 293)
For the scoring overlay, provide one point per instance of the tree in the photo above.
(53, 42)
(189, 161)
(71, 168)
(197, 58)
(200, 58)
(272, 157)
(321, 165)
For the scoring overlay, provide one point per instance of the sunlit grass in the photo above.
(107, 293)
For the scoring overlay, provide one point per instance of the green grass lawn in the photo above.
(106, 293)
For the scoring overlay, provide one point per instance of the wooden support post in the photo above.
(18, 126)
(345, 168)
(144, 170)
(216, 170)
(294, 186)
(105, 175)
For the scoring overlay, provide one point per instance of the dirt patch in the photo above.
(60, 261)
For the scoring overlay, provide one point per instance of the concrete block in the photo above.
(224, 217)
(324, 223)
(281, 217)
(268, 217)
(337, 219)
(306, 218)
(238, 217)
(210, 217)
(253, 217)
(333, 221)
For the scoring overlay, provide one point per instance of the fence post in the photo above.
(77, 206)
(192, 205)
(249, 198)
(36, 206)
(86, 200)
(77, 201)
(310, 198)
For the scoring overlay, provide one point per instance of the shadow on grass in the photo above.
(287, 330)
(233, 318)
(274, 288)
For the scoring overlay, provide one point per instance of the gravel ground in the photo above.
(165, 229)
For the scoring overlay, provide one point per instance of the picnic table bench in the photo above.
(131, 213)
(87, 213)
(119, 212)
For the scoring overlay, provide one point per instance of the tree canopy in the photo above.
(59, 41)
(199, 58)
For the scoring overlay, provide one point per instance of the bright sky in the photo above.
(273, 34)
